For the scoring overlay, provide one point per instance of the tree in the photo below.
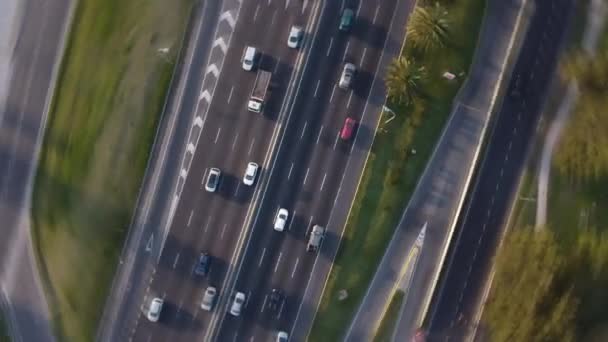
(428, 27)
(583, 150)
(404, 80)
(549, 288)
(525, 304)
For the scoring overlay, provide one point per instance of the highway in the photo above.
(228, 137)
(309, 168)
(483, 223)
(29, 63)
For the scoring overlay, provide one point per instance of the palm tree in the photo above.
(428, 27)
(404, 80)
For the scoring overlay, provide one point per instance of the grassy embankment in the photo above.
(4, 336)
(391, 173)
(387, 325)
(107, 103)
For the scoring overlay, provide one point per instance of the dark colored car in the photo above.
(346, 22)
(275, 300)
(203, 265)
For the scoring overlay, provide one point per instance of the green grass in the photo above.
(387, 325)
(102, 122)
(4, 335)
(391, 174)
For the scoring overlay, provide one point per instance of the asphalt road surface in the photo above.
(484, 220)
(227, 137)
(30, 65)
(414, 257)
(307, 176)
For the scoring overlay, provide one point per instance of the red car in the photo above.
(348, 129)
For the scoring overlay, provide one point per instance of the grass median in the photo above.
(4, 335)
(387, 325)
(392, 171)
(109, 96)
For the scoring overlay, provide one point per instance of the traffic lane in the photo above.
(195, 173)
(322, 127)
(329, 186)
(237, 179)
(488, 208)
(32, 60)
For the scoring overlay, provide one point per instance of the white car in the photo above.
(281, 220)
(295, 37)
(213, 179)
(348, 73)
(282, 336)
(156, 306)
(250, 173)
(237, 304)
(208, 298)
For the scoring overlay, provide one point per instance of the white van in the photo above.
(249, 58)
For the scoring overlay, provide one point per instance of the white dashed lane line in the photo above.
(306, 176)
(262, 257)
(303, 130)
(331, 42)
(276, 267)
(217, 135)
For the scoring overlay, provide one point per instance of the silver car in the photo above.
(237, 304)
(348, 73)
(156, 306)
(295, 37)
(213, 179)
(209, 299)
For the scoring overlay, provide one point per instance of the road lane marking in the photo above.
(331, 42)
(251, 146)
(303, 130)
(274, 70)
(349, 98)
(363, 56)
(255, 15)
(276, 267)
(248, 297)
(306, 177)
(295, 267)
(274, 14)
(359, 8)
(223, 231)
(332, 94)
(291, 222)
(346, 50)
(207, 224)
(217, 135)
(319, 136)
(290, 169)
(281, 309)
(337, 138)
(236, 191)
(262, 257)
(204, 177)
(376, 14)
(190, 217)
(176, 260)
(236, 335)
(264, 304)
(308, 227)
(323, 182)
(236, 137)
(230, 95)
(317, 88)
